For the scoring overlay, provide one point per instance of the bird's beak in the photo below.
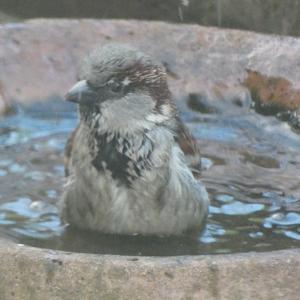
(81, 93)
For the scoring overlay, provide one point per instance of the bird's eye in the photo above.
(114, 86)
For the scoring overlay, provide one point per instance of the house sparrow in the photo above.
(126, 171)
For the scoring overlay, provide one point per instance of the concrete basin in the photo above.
(31, 273)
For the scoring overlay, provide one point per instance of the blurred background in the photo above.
(269, 16)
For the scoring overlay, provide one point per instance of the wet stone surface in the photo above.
(250, 166)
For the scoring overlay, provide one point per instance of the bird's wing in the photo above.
(68, 152)
(188, 144)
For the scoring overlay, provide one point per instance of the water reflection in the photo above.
(37, 223)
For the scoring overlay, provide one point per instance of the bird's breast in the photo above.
(125, 158)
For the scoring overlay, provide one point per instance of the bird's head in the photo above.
(122, 89)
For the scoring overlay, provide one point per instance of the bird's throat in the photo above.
(126, 157)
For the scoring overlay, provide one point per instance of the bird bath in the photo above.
(246, 215)
(250, 167)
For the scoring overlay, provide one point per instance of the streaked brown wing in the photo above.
(188, 144)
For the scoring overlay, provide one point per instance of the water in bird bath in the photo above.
(250, 166)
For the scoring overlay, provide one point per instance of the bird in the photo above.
(126, 172)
